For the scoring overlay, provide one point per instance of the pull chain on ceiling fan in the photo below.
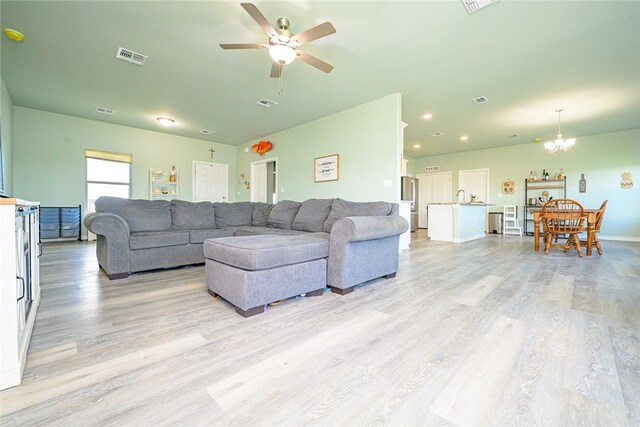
(283, 45)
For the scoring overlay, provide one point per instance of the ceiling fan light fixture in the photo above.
(282, 54)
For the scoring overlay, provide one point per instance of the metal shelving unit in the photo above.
(559, 185)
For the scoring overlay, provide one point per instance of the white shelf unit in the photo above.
(162, 189)
(19, 285)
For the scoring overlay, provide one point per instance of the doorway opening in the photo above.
(264, 181)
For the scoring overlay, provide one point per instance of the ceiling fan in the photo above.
(283, 44)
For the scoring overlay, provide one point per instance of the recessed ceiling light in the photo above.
(165, 121)
(427, 116)
(436, 134)
(207, 131)
(464, 138)
(416, 146)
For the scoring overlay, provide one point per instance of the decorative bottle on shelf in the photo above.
(583, 184)
(531, 176)
(546, 175)
(535, 175)
(561, 175)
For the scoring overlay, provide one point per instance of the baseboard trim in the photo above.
(619, 238)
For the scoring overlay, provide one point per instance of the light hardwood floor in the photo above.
(482, 333)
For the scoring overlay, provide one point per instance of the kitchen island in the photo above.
(457, 222)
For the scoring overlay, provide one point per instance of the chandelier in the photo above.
(559, 144)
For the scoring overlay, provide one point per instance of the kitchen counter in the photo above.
(457, 222)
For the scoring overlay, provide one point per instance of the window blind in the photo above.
(108, 155)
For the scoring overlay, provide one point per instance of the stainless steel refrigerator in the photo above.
(409, 192)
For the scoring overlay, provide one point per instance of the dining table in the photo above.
(591, 227)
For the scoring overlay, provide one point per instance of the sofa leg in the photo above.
(250, 312)
(390, 276)
(342, 291)
(117, 276)
(213, 294)
(315, 293)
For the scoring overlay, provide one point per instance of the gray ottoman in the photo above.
(252, 271)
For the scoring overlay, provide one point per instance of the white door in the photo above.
(259, 186)
(210, 182)
(433, 188)
(474, 181)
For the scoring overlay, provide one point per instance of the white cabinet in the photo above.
(19, 285)
(161, 187)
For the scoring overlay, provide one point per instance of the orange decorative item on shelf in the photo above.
(262, 147)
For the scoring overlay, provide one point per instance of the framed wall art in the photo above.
(508, 186)
(326, 168)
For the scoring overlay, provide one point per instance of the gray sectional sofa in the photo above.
(138, 235)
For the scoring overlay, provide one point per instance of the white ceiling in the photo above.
(527, 57)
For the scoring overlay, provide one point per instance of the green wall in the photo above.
(6, 123)
(49, 153)
(601, 158)
(367, 138)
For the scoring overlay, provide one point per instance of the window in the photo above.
(108, 174)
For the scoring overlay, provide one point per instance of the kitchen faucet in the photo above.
(464, 195)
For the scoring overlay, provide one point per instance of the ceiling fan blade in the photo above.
(276, 70)
(313, 33)
(312, 60)
(260, 19)
(243, 46)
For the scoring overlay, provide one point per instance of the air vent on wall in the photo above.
(475, 5)
(436, 134)
(131, 56)
(266, 103)
(481, 100)
(105, 111)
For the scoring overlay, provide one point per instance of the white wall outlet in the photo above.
(246, 149)
(238, 193)
(387, 183)
(499, 195)
(282, 190)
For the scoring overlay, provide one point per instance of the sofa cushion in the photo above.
(141, 215)
(261, 213)
(342, 208)
(262, 252)
(189, 215)
(312, 215)
(233, 214)
(257, 230)
(283, 213)
(158, 239)
(199, 236)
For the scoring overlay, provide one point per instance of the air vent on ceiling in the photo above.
(131, 56)
(436, 134)
(481, 100)
(514, 135)
(475, 5)
(105, 111)
(207, 131)
(266, 103)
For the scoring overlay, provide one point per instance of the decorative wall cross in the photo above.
(211, 150)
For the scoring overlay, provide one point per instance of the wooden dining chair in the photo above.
(599, 216)
(566, 217)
